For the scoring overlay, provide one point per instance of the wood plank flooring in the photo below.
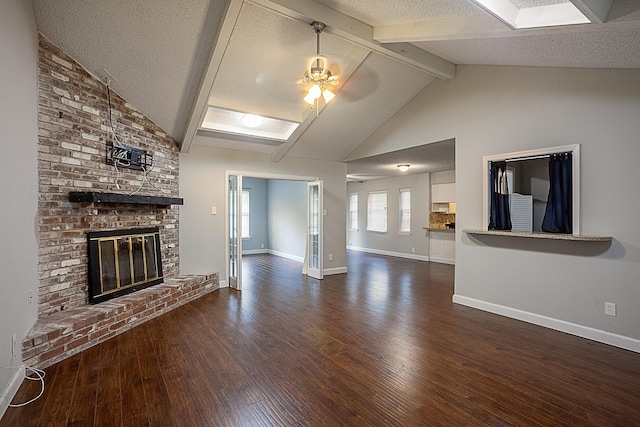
(381, 346)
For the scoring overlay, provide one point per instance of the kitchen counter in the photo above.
(446, 230)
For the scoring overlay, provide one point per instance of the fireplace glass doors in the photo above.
(123, 261)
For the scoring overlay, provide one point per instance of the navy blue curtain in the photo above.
(500, 217)
(558, 217)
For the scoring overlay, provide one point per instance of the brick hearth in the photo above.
(68, 332)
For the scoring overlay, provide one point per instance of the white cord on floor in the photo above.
(39, 376)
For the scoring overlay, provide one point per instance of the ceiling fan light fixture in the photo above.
(309, 99)
(403, 168)
(313, 94)
(315, 91)
(318, 75)
(328, 95)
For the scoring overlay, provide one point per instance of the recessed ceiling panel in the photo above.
(520, 14)
(227, 121)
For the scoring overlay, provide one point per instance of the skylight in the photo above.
(520, 14)
(234, 122)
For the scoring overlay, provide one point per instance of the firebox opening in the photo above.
(123, 261)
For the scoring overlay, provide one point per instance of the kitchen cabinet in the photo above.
(442, 246)
(443, 193)
(443, 197)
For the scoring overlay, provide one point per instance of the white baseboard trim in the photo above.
(443, 260)
(287, 256)
(335, 270)
(10, 391)
(389, 253)
(254, 251)
(551, 323)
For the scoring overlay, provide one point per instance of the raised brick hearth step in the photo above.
(63, 334)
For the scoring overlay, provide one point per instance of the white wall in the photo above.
(493, 110)
(392, 243)
(287, 210)
(18, 175)
(203, 185)
(443, 177)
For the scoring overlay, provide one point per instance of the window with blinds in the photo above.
(405, 211)
(353, 211)
(377, 211)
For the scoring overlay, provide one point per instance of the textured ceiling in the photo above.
(598, 49)
(173, 58)
(154, 50)
(403, 11)
(536, 3)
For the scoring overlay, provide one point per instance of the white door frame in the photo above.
(249, 174)
(314, 261)
(234, 282)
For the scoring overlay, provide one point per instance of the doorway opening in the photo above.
(276, 214)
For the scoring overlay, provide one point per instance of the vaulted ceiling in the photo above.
(175, 59)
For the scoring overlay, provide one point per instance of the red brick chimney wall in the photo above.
(73, 130)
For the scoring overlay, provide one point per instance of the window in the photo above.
(377, 211)
(245, 214)
(405, 211)
(353, 211)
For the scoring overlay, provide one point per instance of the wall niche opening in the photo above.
(528, 182)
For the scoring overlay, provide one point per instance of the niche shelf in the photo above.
(541, 235)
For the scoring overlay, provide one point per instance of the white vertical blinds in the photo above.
(353, 211)
(377, 211)
(405, 210)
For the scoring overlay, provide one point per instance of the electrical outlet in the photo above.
(610, 309)
(413, 250)
(330, 257)
(13, 344)
(214, 211)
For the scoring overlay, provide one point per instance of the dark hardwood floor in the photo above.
(382, 345)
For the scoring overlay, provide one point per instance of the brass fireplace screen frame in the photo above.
(123, 261)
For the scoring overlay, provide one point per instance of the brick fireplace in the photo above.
(74, 131)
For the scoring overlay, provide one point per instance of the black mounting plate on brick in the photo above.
(123, 156)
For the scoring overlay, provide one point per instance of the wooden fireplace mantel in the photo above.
(99, 197)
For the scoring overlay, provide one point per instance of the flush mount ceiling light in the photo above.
(318, 77)
(251, 120)
(520, 14)
(403, 168)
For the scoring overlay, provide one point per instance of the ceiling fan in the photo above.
(318, 77)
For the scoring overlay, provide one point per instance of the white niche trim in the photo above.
(574, 149)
